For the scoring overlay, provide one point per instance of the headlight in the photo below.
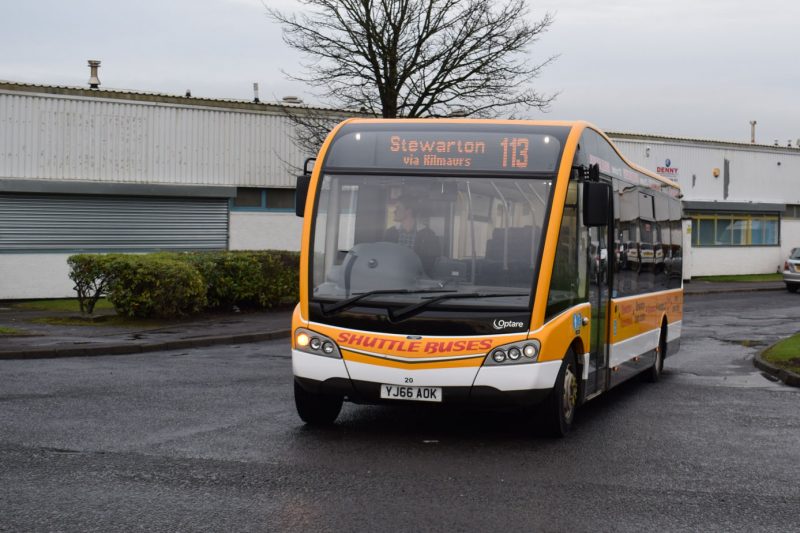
(514, 354)
(531, 350)
(312, 342)
(499, 356)
(303, 340)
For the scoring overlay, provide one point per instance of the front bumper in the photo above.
(513, 385)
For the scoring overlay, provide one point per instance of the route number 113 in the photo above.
(515, 152)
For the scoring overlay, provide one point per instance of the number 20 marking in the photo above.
(409, 380)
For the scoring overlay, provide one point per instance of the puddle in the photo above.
(747, 343)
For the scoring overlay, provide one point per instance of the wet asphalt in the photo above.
(207, 439)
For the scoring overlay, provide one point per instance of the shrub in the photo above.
(231, 278)
(156, 285)
(254, 279)
(90, 274)
(280, 275)
(173, 284)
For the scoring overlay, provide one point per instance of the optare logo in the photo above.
(503, 324)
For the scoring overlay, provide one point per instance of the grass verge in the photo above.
(11, 331)
(61, 305)
(785, 354)
(741, 278)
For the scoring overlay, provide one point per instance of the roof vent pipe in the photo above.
(94, 81)
(292, 100)
(753, 131)
(256, 100)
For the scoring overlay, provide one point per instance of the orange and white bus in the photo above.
(451, 261)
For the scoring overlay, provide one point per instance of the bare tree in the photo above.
(419, 58)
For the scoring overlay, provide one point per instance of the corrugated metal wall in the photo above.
(75, 223)
(57, 137)
(755, 174)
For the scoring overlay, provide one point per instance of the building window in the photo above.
(248, 197)
(792, 211)
(735, 230)
(263, 199)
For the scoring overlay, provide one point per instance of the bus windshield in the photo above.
(406, 242)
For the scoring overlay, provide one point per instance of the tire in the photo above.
(792, 287)
(559, 408)
(653, 375)
(316, 409)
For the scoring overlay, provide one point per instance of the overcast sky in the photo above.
(689, 68)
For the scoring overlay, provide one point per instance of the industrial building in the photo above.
(98, 170)
(741, 200)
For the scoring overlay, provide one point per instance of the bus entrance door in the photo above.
(599, 277)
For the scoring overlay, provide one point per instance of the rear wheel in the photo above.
(559, 408)
(316, 409)
(654, 373)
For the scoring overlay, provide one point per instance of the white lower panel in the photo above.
(628, 349)
(306, 365)
(429, 377)
(508, 378)
(519, 377)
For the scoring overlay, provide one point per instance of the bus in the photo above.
(448, 261)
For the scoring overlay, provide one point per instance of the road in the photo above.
(208, 439)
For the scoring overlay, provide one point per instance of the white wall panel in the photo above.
(790, 236)
(717, 261)
(35, 276)
(265, 231)
(54, 137)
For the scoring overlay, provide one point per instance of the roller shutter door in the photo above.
(89, 223)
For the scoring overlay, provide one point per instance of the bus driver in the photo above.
(423, 241)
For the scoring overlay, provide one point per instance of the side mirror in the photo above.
(596, 203)
(301, 192)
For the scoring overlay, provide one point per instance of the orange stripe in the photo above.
(639, 314)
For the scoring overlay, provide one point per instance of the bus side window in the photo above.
(566, 286)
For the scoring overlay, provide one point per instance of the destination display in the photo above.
(446, 150)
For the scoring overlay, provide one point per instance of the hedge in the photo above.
(178, 284)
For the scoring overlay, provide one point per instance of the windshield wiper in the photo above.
(414, 309)
(350, 302)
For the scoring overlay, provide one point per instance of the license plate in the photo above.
(418, 394)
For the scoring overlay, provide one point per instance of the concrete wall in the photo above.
(265, 231)
(733, 260)
(790, 236)
(25, 276)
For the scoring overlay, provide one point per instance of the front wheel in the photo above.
(559, 408)
(316, 409)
